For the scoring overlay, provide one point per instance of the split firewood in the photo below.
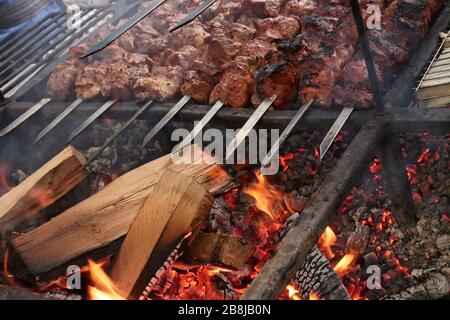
(177, 206)
(41, 189)
(219, 250)
(430, 285)
(106, 216)
(316, 274)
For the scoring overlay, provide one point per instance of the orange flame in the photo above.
(265, 195)
(104, 288)
(326, 241)
(293, 293)
(313, 296)
(8, 277)
(346, 263)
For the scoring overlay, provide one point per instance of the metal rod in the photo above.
(172, 112)
(60, 47)
(124, 28)
(287, 131)
(200, 126)
(57, 120)
(376, 89)
(26, 34)
(38, 106)
(90, 120)
(29, 45)
(248, 126)
(193, 15)
(117, 133)
(334, 131)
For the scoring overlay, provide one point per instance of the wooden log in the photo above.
(104, 217)
(46, 185)
(177, 206)
(219, 250)
(396, 181)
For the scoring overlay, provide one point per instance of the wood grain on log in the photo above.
(177, 206)
(41, 189)
(219, 250)
(104, 217)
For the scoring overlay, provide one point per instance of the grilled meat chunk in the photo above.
(162, 84)
(92, 83)
(234, 88)
(196, 87)
(61, 82)
(277, 28)
(277, 78)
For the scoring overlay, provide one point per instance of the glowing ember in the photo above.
(293, 293)
(313, 296)
(43, 196)
(326, 241)
(345, 265)
(103, 287)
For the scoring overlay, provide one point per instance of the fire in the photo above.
(293, 293)
(326, 241)
(43, 196)
(8, 277)
(345, 264)
(104, 288)
(265, 195)
(313, 296)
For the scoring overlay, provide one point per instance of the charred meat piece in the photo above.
(61, 83)
(162, 84)
(277, 78)
(234, 88)
(277, 28)
(196, 87)
(92, 82)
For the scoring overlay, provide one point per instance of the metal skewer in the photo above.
(334, 131)
(199, 127)
(38, 106)
(91, 119)
(57, 120)
(165, 120)
(276, 146)
(248, 126)
(193, 15)
(117, 133)
(124, 28)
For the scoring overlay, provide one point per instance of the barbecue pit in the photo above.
(375, 134)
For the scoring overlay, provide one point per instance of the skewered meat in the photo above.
(62, 80)
(184, 57)
(162, 84)
(277, 78)
(247, 50)
(92, 83)
(277, 28)
(234, 88)
(196, 87)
